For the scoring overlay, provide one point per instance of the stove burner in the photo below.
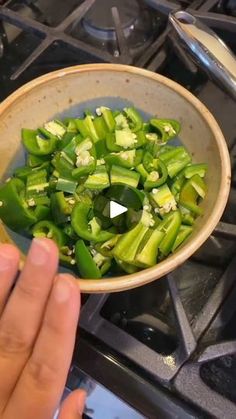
(99, 22)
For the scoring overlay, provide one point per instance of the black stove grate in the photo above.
(155, 55)
(208, 379)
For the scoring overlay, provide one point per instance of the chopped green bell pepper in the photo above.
(88, 121)
(183, 234)
(71, 126)
(37, 145)
(163, 197)
(42, 212)
(108, 118)
(128, 158)
(156, 177)
(82, 128)
(98, 180)
(85, 263)
(63, 166)
(69, 151)
(48, 229)
(134, 118)
(147, 253)
(35, 161)
(107, 247)
(53, 128)
(80, 223)
(128, 244)
(66, 185)
(175, 160)
(143, 172)
(60, 208)
(165, 128)
(86, 159)
(14, 210)
(170, 227)
(126, 267)
(190, 193)
(195, 169)
(100, 127)
(24, 171)
(120, 174)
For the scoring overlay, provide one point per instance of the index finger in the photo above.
(22, 316)
(45, 373)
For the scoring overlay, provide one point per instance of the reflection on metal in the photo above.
(207, 49)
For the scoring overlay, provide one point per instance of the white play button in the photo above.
(116, 209)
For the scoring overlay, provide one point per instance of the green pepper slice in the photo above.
(24, 171)
(91, 128)
(189, 195)
(66, 139)
(82, 128)
(195, 169)
(183, 234)
(188, 217)
(170, 227)
(63, 167)
(98, 180)
(126, 267)
(37, 145)
(134, 118)
(71, 126)
(35, 161)
(37, 186)
(147, 254)
(128, 244)
(128, 158)
(177, 185)
(48, 229)
(143, 172)
(13, 209)
(165, 128)
(120, 174)
(107, 247)
(85, 263)
(86, 159)
(60, 208)
(42, 212)
(175, 159)
(100, 127)
(70, 149)
(108, 118)
(125, 139)
(80, 223)
(156, 177)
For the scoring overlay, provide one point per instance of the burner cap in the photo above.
(98, 22)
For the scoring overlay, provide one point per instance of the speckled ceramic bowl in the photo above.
(67, 92)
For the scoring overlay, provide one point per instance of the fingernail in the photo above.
(62, 289)
(39, 251)
(6, 259)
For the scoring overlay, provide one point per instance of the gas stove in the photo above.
(169, 348)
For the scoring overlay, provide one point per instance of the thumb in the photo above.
(73, 406)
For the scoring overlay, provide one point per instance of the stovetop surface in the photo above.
(175, 338)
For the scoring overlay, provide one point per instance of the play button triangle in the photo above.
(116, 209)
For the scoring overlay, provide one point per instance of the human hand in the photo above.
(38, 321)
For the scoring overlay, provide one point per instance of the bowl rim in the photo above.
(121, 283)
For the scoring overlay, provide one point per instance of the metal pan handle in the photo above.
(207, 49)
